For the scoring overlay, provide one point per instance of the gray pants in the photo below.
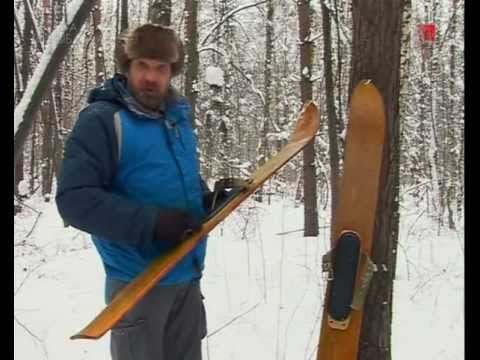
(167, 324)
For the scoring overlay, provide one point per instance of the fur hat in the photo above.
(150, 41)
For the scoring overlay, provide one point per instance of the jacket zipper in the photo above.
(167, 127)
(174, 127)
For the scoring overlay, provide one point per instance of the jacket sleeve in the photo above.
(83, 197)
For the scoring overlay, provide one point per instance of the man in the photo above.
(130, 177)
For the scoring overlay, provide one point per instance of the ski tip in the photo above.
(311, 113)
(367, 103)
(366, 87)
(308, 123)
(310, 107)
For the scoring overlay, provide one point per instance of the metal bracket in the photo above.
(365, 271)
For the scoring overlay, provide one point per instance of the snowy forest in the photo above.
(250, 66)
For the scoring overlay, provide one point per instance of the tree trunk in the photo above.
(18, 84)
(436, 128)
(264, 153)
(424, 165)
(33, 157)
(18, 166)
(25, 71)
(224, 148)
(377, 29)
(98, 37)
(339, 77)
(309, 183)
(123, 15)
(46, 116)
(332, 118)
(161, 12)
(208, 146)
(452, 156)
(47, 150)
(46, 77)
(267, 73)
(58, 100)
(192, 62)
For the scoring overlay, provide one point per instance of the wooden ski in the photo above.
(348, 263)
(306, 128)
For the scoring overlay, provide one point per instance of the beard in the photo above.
(149, 97)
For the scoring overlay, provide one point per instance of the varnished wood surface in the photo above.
(357, 202)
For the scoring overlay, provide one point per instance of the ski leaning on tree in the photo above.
(348, 263)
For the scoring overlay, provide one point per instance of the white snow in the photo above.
(23, 187)
(264, 291)
(55, 37)
(214, 76)
(244, 165)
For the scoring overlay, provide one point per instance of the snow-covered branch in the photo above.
(55, 51)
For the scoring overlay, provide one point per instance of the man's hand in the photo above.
(172, 225)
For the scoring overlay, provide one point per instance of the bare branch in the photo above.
(232, 320)
(228, 16)
(28, 206)
(26, 278)
(35, 337)
(34, 224)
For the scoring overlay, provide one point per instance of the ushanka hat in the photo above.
(150, 41)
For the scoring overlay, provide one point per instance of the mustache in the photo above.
(148, 91)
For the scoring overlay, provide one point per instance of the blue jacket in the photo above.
(114, 181)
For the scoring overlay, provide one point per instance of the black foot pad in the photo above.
(345, 262)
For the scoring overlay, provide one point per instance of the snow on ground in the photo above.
(263, 290)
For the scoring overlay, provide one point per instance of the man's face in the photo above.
(149, 80)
